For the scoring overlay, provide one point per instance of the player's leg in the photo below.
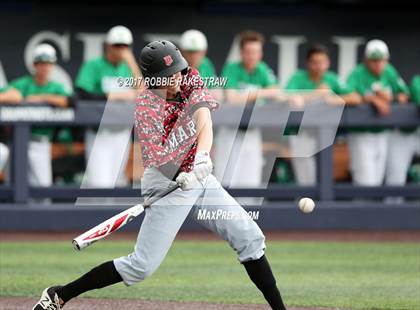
(247, 150)
(100, 153)
(106, 154)
(245, 147)
(90, 135)
(39, 162)
(416, 139)
(381, 149)
(401, 149)
(226, 137)
(243, 235)
(4, 155)
(363, 158)
(304, 168)
(158, 230)
(120, 140)
(106, 144)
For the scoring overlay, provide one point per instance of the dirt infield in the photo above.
(318, 235)
(23, 303)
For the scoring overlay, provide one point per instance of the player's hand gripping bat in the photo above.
(107, 227)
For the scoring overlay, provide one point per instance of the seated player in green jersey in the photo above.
(377, 80)
(251, 73)
(107, 76)
(308, 82)
(114, 76)
(40, 89)
(193, 46)
(379, 83)
(317, 76)
(246, 80)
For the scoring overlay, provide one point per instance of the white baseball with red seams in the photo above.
(306, 205)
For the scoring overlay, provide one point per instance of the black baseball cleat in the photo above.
(49, 300)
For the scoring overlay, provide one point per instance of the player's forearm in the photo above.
(56, 100)
(402, 98)
(385, 95)
(238, 97)
(269, 93)
(352, 99)
(11, 96)
(241, 97)
(204, 127)
(382, 106)
(127, 95)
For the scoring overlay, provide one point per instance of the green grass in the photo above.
(347, 275)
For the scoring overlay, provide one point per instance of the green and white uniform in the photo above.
(302, 80)
(107, 149)
(304, 168)
(99, 77)
(404, 144)
(39, 150)
(239, 78)
(364, 82)
(27, 87)
(246, 170)
(369, 146)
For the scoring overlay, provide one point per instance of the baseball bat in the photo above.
(114, 223)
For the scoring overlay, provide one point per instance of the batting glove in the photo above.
(202, 165)
(188, 181)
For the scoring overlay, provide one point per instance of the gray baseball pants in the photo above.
(164, 218)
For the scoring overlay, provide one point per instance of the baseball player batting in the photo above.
(174, 126)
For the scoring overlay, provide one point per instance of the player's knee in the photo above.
(144, 268)
(147, 271)
(134, 269)
(4, 155)
(254, 247)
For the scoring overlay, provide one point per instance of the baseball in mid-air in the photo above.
(306, 205)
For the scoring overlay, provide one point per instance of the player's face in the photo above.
(194, 59)
(251, 54)
(116, 51)
(174, 85)
(43, 69)
(318, 64)
(376, 66)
